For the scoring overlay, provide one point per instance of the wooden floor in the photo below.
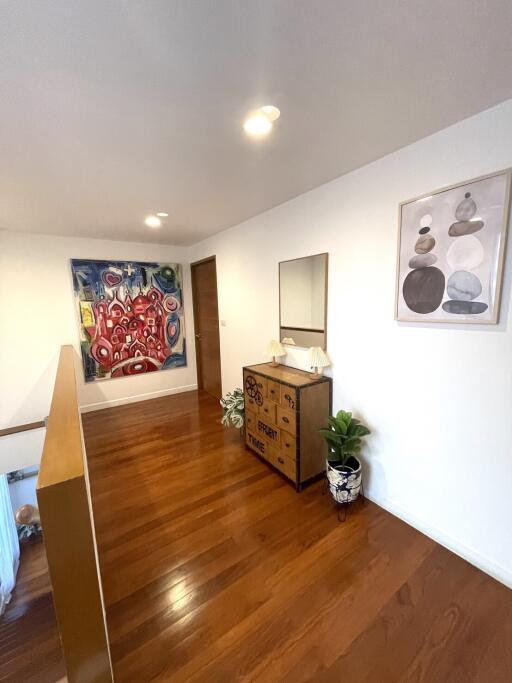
(215, 570)
(29, 640)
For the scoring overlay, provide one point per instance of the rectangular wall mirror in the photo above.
(303, 301)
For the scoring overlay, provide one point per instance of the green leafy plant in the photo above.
(343, 437)
(234, 409)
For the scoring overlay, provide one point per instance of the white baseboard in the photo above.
(473, 557)
(112, 403)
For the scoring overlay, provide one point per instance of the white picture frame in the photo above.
(451, 249)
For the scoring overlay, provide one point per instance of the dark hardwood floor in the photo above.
(214, 569)
(29, 640)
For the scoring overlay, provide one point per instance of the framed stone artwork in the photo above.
(451, 246)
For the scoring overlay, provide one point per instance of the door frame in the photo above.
(194, 310)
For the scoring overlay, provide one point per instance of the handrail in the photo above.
(62, 457)
(68, 530)
(22, 428)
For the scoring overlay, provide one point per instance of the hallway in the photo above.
(214, 569)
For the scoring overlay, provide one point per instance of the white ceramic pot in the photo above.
(344, 480)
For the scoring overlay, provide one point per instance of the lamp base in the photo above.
(274, 363)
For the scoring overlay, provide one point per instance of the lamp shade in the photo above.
(317, 357)
(275, 348)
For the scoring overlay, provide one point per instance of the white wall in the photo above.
(38, 316)
(23, 491)
(21, 450)
(438, 398)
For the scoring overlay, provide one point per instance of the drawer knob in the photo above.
(280, 460)
(285, 419)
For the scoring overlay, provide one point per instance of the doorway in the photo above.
(206, 323)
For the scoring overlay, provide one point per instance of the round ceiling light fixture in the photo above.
(272, 113)
(259, 123)
(153, 221)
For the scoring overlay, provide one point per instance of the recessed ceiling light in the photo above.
(272, 113)
(153, 222)
(162, 214)
(257, 125)
(259, 122)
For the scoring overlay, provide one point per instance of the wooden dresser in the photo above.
(284, 409)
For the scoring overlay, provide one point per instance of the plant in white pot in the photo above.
(344, 438)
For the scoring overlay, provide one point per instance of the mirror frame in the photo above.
(326, 289)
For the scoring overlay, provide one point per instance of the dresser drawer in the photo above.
(288, 397)
(250, 420)
(286, 419)
(256, 443)
(262, 385)
(268, 411)
(271, 453)
(264, 449)
(273, 391)
(253, 403)
(258, 383)
(268, 431)
(255, 389)
(285, 465)
(288, 444)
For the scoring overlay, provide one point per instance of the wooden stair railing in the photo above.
(18, 429)
(68, 530)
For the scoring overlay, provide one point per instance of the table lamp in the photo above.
(317, 360)
(275, 349)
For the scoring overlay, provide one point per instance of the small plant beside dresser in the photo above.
(284, 409)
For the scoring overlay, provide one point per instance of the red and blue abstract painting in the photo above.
(131, 317)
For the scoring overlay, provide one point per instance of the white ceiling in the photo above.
(110, 110)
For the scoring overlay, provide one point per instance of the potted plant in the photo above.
(344, 471)
(234, 409)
